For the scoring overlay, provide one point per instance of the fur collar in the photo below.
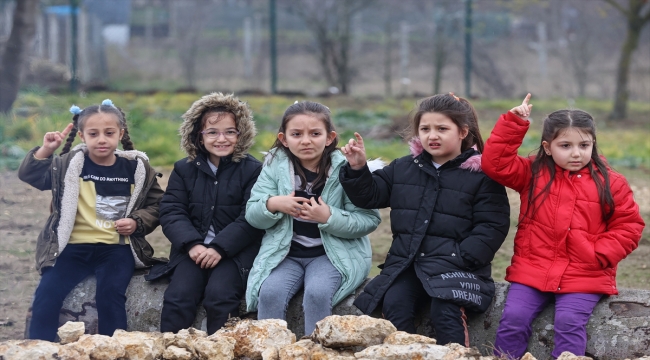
(473, 163)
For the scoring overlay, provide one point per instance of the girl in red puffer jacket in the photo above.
(578, 220)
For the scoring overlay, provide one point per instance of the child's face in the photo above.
(306, 137)
(440, 136)
(102, 133)
(571, 149)
(219, 135)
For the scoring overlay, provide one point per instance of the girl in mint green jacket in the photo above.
(315, 238)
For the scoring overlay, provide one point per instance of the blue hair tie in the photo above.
(75, 110)
(108, 102)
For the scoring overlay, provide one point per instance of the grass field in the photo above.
(154, 122)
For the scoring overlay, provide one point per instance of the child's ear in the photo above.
(330, 137)
(464, 132)
(546, 147)
(282, 139)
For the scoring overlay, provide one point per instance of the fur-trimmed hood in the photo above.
(243, 120)
(473, 163)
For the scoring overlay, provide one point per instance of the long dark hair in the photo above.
(555, 123)
(79, 119)
(458, 109)
(322, 113)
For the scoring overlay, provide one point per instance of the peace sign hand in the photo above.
(523, 110)
(355, 152)
(51, 141)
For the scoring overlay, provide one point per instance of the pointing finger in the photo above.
(359, 138)
(67, 129)
(526, 99)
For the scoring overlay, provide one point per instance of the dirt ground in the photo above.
(24, 210)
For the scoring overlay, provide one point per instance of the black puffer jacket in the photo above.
(449, 222)
(196, 198)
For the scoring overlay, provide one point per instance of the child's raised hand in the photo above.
(287, 204)
(523, 110)
(355, 152)
(315, 211)
(52, 140)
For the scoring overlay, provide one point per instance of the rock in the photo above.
(175, 353)
(528, 356)
(306, 349)
(69, 352)
(140, 345)
(457, 351)
(28, 350)
(270, 353)
(566, 355)
(99, 347)
(344, 331)
(215, 348)
(404, 338)
(403, 352)
(71, 331)
(254, 336)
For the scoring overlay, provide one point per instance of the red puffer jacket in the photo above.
(566, 247)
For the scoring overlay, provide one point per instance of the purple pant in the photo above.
(572, 311)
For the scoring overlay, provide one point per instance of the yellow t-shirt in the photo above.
(104, 194)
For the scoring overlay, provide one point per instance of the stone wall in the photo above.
(618, 329)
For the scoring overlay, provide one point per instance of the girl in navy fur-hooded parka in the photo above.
(447, 217)
(202, 214)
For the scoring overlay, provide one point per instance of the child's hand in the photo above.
(208, 259)
(523, 110)
(52, 141)
(287, 204)
(355, 152)
(197, 250)
(126, 226)
(315, 211)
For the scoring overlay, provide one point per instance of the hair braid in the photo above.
(127, 144)
(71, 136)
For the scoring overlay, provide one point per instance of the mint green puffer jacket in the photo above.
(344, 235)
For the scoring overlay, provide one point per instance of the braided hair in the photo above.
(106, 107)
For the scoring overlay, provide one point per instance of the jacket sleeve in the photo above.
(365, 189)
(624, 228)
(256, 212)
(500, 160)
(175, 214)
(239, 234)
(148, 215)
(491, 222)
(351, 222)
(36, 173)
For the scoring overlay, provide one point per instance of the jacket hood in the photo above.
(243, 121)
(472, 163)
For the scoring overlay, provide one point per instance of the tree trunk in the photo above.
(635, 23)
(22, 34)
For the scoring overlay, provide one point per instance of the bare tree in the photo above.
(638, 15)
(329, 21)
(22, 34)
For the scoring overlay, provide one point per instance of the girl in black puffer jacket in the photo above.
(202, 215)
(447, 217)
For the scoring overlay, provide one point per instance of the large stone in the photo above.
(352, 330)
(215, 348)
(71, 331)
(254, 336)
(140, 345)
(404, 338)
(618, 329)
(99, 347)
(403, 352)
(37, 349)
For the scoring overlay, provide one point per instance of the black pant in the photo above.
(221, 289)
(113, 267)
(405, 296)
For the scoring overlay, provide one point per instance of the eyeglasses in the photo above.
(214, 134)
